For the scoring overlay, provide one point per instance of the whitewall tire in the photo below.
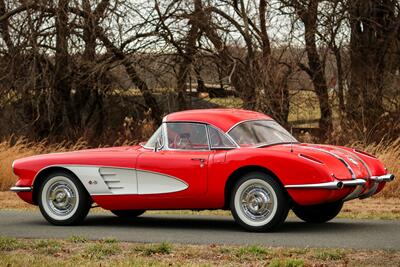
(63, 200)
(258, 202)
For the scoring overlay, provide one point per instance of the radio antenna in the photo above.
(291, 139)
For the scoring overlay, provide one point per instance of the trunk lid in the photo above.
(343, 164)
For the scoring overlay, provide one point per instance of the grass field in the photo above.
(77, 250)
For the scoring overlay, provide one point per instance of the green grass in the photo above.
(100, 251)
(329, 255)
(77, 251)
(9, 244)
(253, 251)
(77, 239)
(48, 246)
(163, 248)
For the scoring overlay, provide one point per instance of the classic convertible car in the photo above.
(204, 159)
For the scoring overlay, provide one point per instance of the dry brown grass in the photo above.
(79, 251)
(389, 153)
(12, 150)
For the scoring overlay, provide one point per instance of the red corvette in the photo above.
(204, 159)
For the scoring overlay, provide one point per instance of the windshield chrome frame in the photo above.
(180, 149)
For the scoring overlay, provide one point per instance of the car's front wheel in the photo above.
(63, 200)
(318, 213)
(258, 202)
(128, 214)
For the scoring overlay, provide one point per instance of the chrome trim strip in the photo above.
(21, 189)
(356, 192)
(303, 157)
(177, 149)
(327, 185)
(353, 176)
(370, 192)
(236, 124)
(208, 138)
(356, 156)
(222, 133)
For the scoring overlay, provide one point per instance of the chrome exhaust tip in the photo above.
(340, 185)
(383, 178)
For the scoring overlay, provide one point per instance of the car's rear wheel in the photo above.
(128, 214)
(258, 202)
(318, 213)
(63, 200)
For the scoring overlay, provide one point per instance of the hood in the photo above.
(106, 156)
(92, 151)
(108, 149)
(341, 162)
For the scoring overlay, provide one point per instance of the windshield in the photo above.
(260, 133)
(151, 143)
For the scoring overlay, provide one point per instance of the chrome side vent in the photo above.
(119, 181)
(110, 179)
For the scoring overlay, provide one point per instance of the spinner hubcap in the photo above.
(256, 202)
(61, 198)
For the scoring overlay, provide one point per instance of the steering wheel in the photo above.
(182, 141)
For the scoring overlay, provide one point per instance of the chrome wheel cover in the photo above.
(60, 198)
(256, 201)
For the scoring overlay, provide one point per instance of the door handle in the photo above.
(202, 161)
(199, 159)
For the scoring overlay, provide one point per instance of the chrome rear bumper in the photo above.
(21, 189)
(383, 178)
(376, 181)
(358, 183)
(328, 185)
(346, 183)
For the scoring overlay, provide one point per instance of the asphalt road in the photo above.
(343, 233)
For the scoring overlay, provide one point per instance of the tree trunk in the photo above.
(275, 101)
(187, 56)
(316, 69)
(4, 30)
(61, 108)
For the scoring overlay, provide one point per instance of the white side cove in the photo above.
(124, 181)
(157, 183)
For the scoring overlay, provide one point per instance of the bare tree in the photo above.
(307, 11)
(374, 34)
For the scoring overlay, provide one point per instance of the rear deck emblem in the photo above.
(353, 160)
